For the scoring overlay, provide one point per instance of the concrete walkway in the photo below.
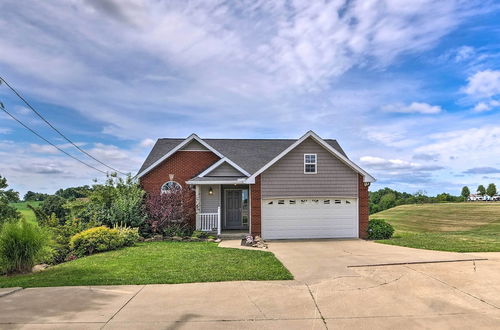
(326, 294)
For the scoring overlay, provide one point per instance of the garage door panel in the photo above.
(309, 218)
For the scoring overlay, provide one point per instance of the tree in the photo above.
(118, 201)
(74, 192)
(387, 201)
(481, 191)
(31, 196)
(54, 204)
(491, 190)
(7, 212)
(465, 192)
(12, 196)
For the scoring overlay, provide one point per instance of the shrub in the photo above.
(171, 212)
(199, 234)
(379, 229)
(100, 239)
(22, 244)
(118, 201)
(97, 239)
(129, 235)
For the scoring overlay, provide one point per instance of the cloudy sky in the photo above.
(411, 89)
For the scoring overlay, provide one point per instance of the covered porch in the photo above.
(222, 206)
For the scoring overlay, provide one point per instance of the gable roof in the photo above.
(221, 161)
(249, 154)
(314, 136)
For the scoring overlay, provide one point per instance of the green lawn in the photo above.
(459, 227)
(158, 262)
(25, 211)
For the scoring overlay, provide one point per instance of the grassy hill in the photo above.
(460, 227)
(25, 211)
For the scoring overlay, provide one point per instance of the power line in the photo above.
(55, 129)
(52, 144)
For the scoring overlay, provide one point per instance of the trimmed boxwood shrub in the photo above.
(379, 229)
(99, 239)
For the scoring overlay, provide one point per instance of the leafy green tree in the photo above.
(387, 201)
(7, 212)
(481, 191)
(74, 192)
(118, 201)
(54, 205)
(31, 196)
(491, 190)
(12, 196)
(465, 192)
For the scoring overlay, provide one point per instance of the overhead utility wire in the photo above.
(52, 144)
(52, 126)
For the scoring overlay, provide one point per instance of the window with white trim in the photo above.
(170, 186)
(310, 163)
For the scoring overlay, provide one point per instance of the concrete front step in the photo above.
(233, 235)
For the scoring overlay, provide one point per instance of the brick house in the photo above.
(276, 188)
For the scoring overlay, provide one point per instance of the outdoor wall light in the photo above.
(210, 191)
(367, 184)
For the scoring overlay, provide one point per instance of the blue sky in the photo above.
(410, 89)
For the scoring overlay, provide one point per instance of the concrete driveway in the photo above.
(327, 293)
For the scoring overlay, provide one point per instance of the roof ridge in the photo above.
(241, 139)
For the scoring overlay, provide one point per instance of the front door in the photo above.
(233, 208)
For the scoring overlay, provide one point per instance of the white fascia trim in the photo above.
(366, 177)
(179, 146)
(241, 181)
(220, 162)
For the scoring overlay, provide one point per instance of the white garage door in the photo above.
(309, 218)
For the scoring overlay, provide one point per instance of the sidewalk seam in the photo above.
(317, 307)
(119, 310)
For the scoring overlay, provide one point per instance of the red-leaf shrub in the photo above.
(175, 208)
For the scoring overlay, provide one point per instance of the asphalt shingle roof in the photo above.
(250, 154)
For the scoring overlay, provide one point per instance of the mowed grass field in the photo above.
(459, 227)
(26, 212)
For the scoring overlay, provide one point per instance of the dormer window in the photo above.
(310, 163)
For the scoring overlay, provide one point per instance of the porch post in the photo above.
(198, 206)
(218, 221)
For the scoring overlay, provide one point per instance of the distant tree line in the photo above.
(490, 191)
(386, 198)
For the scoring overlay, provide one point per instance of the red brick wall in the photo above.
(184, 165)
(364, 209)
(255, 200)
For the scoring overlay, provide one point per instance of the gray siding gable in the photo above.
(286, 177)
(194, 145)
(225, 169)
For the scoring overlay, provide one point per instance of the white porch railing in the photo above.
(210, 221)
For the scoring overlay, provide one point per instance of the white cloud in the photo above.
(379, 163)
(414, 107)
(483, 84)
(4, 130)
(147, 143)
(486, 106)
(464, 53)
(227, 58)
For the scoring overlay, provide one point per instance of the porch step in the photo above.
(233, 235)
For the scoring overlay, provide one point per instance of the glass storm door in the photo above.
(236, 208)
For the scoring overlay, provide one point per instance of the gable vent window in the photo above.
(303, 201)
(326, 201)
(292, 202)
(337, 201)
(270, 203)
(281, 201)
(310, 163)
(347, 202)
